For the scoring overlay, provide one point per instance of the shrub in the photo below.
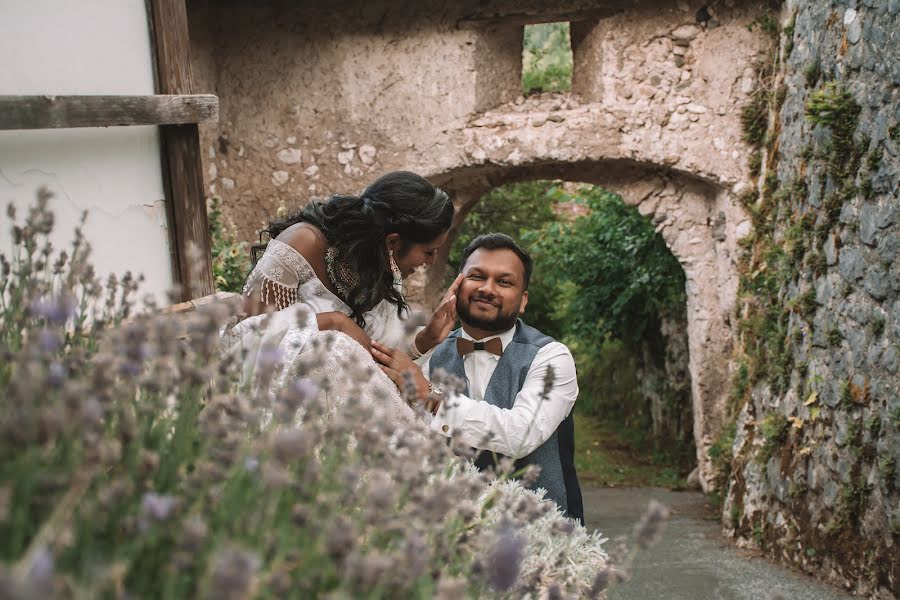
(136, 460)
(230, 256)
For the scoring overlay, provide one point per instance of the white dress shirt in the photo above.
(516, 431)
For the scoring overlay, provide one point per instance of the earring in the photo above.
(398, 276)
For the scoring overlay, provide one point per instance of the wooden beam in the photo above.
(50, 112)
(182, 164)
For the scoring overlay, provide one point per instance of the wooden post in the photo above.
(182, 165)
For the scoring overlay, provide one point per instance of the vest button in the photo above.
(445, 429)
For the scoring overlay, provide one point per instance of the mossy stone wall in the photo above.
(813, 476)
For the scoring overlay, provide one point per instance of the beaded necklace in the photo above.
(342, 276)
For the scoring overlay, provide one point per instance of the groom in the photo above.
(520, 384)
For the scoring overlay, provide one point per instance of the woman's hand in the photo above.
(401, 369)
(338, 321)
(442, 320)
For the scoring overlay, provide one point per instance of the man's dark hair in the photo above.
(496, 241)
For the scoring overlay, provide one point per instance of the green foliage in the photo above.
(721, 454)
(754, 119)
(767, 23)
(230, 257)
(834, 107)
(754, 164)
(878, 325)
(546, 58)
(625, 274)
(773, 428)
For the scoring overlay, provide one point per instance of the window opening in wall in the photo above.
(546, 58)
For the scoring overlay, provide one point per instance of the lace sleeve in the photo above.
(278, 274)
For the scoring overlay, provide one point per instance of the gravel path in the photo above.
(693, 561)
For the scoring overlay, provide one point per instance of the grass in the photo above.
(610, 455)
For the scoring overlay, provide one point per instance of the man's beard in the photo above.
(501, 322)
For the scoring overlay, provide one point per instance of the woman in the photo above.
(338, 266)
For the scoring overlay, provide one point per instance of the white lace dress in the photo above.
(291, 339)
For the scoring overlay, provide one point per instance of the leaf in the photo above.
(805, 451)
(814, 413)
(812, 399)
(797, 422)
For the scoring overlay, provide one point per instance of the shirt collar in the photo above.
(505, 337)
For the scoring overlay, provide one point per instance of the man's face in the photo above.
(492, 293)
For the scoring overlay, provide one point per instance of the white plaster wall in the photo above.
(86, 47)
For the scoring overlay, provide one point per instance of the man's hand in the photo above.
(442, 320)
(338, 321)
(400, 368)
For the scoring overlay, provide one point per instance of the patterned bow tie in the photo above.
(493, 345)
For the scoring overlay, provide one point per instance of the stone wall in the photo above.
(815, 475)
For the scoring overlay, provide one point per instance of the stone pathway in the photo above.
(692, 561)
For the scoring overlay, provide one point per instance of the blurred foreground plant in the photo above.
(136, 461)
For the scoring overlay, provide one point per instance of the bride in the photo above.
(330, 282)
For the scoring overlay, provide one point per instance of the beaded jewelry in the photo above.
(341, 275)
(398, 276)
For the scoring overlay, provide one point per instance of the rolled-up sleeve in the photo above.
(538, 409)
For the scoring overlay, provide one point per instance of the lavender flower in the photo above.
(504, 561)
(156, 507)
(649, 529)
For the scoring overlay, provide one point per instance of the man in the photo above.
(509, 405)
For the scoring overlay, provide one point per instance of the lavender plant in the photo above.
(137, 460)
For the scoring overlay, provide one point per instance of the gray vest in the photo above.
(555, 456)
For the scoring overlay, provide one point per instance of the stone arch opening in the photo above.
(697, 220)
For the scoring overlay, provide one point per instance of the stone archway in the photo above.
(700, 223)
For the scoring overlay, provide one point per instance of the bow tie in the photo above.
(493, 345)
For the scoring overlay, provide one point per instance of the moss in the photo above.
(846, 399)
(788, 32)
(894, 131)
(767, 23)
(811, 72)
(754, 119)
(834, 107)
(887, 469)
(834, 337)
(740, 386)
(754, 164)
(749, 197)
(873, 158)
(773, 429)
(877, 325)
(771, 184)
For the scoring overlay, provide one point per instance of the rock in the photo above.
(693, 480)
(346, 156)
(831, 251)
(876, 284)
(696, 108)
(867, 224)
(311, 171)
(291, 140)
(367, 154)
(854, 31)
(280, 177)
(889, 359)
(851, 264)
(685, 33)
(213, 172)
(290, 156)
(858, 340)
(227, 183)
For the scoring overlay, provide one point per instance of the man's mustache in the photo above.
(486, 299)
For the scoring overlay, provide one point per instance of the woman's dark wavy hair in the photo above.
(399, 202)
